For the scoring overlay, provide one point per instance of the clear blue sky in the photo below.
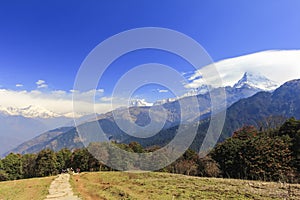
(48, 39)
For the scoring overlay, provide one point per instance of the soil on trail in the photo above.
(60, 189)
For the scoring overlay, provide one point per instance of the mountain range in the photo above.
(247, 86)
(21, 124)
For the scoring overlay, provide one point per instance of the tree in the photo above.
(245, 133)
(12, 166)
(29, 165)
(187, 164)
(265, 156)
(100, 153)
(136, 147)
(84, 160)
(208, 167)
(63, 159)
(290, 128)
(270, 159)
(3, 175)
(229, 157)
(46, 163)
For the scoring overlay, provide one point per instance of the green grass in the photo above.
(35, 188)
(125, 185)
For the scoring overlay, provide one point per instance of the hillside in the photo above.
(34, 188)
(284, 102)
(250, 111)
(124, 185)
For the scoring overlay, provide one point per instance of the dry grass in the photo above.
(35, 188)
(125, 185)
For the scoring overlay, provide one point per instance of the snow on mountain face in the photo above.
(200, 90)
(29, 112)
(256, 81)
(163, 101)
(139, 102)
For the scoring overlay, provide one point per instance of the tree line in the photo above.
(46, 163)
(269, 155)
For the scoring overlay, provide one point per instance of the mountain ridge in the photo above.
(112, 131)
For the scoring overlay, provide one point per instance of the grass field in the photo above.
(124, 185)
(35, 188)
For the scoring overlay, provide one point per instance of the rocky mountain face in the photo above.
(21, 124)
(284, 101)
(140, 116)
(257, 81)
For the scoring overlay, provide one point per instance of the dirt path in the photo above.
(60, 189)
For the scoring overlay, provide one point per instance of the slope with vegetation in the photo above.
(149, 185)
(35, 188)
(271, 155)
(255, 110)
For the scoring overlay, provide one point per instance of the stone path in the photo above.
(60, 189)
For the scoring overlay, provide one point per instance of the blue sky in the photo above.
(48, 40)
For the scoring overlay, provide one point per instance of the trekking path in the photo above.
(60, 189)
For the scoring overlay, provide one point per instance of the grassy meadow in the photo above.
(35, 188)
(125, 185)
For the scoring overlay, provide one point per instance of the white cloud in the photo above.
(277, 65)
(57, 101)
(41, 84)
(280, 66)
(163, 91)
(19, 85)
(106, 99)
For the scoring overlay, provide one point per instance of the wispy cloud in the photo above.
(277, 65)
(41, 84)
(280, 66)
(163, 91)
(19, 85)
(57, 101)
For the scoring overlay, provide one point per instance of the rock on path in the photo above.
(60, 189)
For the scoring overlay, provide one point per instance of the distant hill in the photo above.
(284, 101)
(140, 116)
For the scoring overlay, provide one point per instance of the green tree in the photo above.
(29, 165)
(270, 159)
(136, 147)
(263, 156)
(84, 160)
(292, 128)
(208, 167)
(245, 133)
(46, 163)
(63, 159)
(12, 166)
(100, 153)
(3, 175)
(229, 157)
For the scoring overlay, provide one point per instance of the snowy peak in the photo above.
(29, 112)
(139, 103)
(256, 81)
(203, 89)
(163, 101)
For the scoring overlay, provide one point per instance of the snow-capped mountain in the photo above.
(249, 80)
(20, 124)
(27, 122)
(139, 103)
(29, 112)
(203, 89)
(252, 82)
(257, 81)
(163, 101)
